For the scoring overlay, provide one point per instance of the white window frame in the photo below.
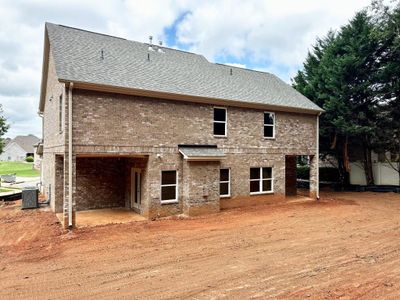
(261, 179)
(269, 125)
(229, 183)
(224, 122)
(166, 185)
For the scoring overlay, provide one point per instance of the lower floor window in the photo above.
(169, 186)
(224, 182)
(261, 180)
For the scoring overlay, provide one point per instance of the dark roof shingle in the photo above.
(83, 56)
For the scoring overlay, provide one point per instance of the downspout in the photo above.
(71, 86)
(40, 114)
(317, 157)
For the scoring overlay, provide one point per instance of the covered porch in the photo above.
(106, 189)
(103, 216)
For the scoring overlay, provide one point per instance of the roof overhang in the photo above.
(201, 153)
(39, 148)
(45, 69)
(186, 98)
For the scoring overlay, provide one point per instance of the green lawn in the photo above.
(22, 169)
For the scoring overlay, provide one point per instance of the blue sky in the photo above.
(266, 35)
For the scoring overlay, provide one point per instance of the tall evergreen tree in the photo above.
(387, 138)
(338, 75)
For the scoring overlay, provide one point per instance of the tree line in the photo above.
(353, 73)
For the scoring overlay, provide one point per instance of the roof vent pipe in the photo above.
(160, 47)
(151, 43)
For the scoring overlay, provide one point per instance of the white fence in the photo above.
(384, 174)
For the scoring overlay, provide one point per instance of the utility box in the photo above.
(30, 197)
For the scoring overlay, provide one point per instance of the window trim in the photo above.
(169, 201)
(225, 122)
(269, 125)
(261, 179)
(229, 183)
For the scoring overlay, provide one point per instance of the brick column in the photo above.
(200, 188)
(314, 177)
(66, 192)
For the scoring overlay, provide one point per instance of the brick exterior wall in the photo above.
(100, 183)
(122, 125)
(58, 196)
(54, 140)
(200, 187)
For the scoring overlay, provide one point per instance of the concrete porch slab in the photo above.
(95, 217)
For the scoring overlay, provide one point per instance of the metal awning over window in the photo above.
(201, 152)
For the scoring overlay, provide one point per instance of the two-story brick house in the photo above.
(162, 131)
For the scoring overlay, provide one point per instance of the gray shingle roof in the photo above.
(83, 56)
(26, 142)
(201, 152)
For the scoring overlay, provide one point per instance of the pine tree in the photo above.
(339, 75)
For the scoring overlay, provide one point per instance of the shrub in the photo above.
(303, 172)
(325, 174)
(29, 159)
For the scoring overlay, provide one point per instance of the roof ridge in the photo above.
(89, 31)
(125, 39)
(246, 69)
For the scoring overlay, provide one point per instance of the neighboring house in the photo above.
(19, 148)
(163, 131)
(38, 152)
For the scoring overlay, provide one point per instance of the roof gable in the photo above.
(87, 57)
(26, 142)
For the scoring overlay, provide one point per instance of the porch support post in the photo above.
(69, 169)
(314, 167)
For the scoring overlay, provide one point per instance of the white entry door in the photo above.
(135, 188)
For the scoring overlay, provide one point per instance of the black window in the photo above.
(220, 121)
(261, 180)
(169, 186)
(269, 125)
(224, 182)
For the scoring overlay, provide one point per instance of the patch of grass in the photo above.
(22, 169)
(3, 190)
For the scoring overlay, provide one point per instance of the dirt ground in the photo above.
(345, 247)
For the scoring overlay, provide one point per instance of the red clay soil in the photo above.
(345, 247)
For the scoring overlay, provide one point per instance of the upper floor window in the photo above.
(169, 186)
(269, 125)
(224, 183)
(60, 113)
(220, 121)
(261, 180)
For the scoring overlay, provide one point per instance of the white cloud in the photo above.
(277, 32)
(270, 35)
(243, 66)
